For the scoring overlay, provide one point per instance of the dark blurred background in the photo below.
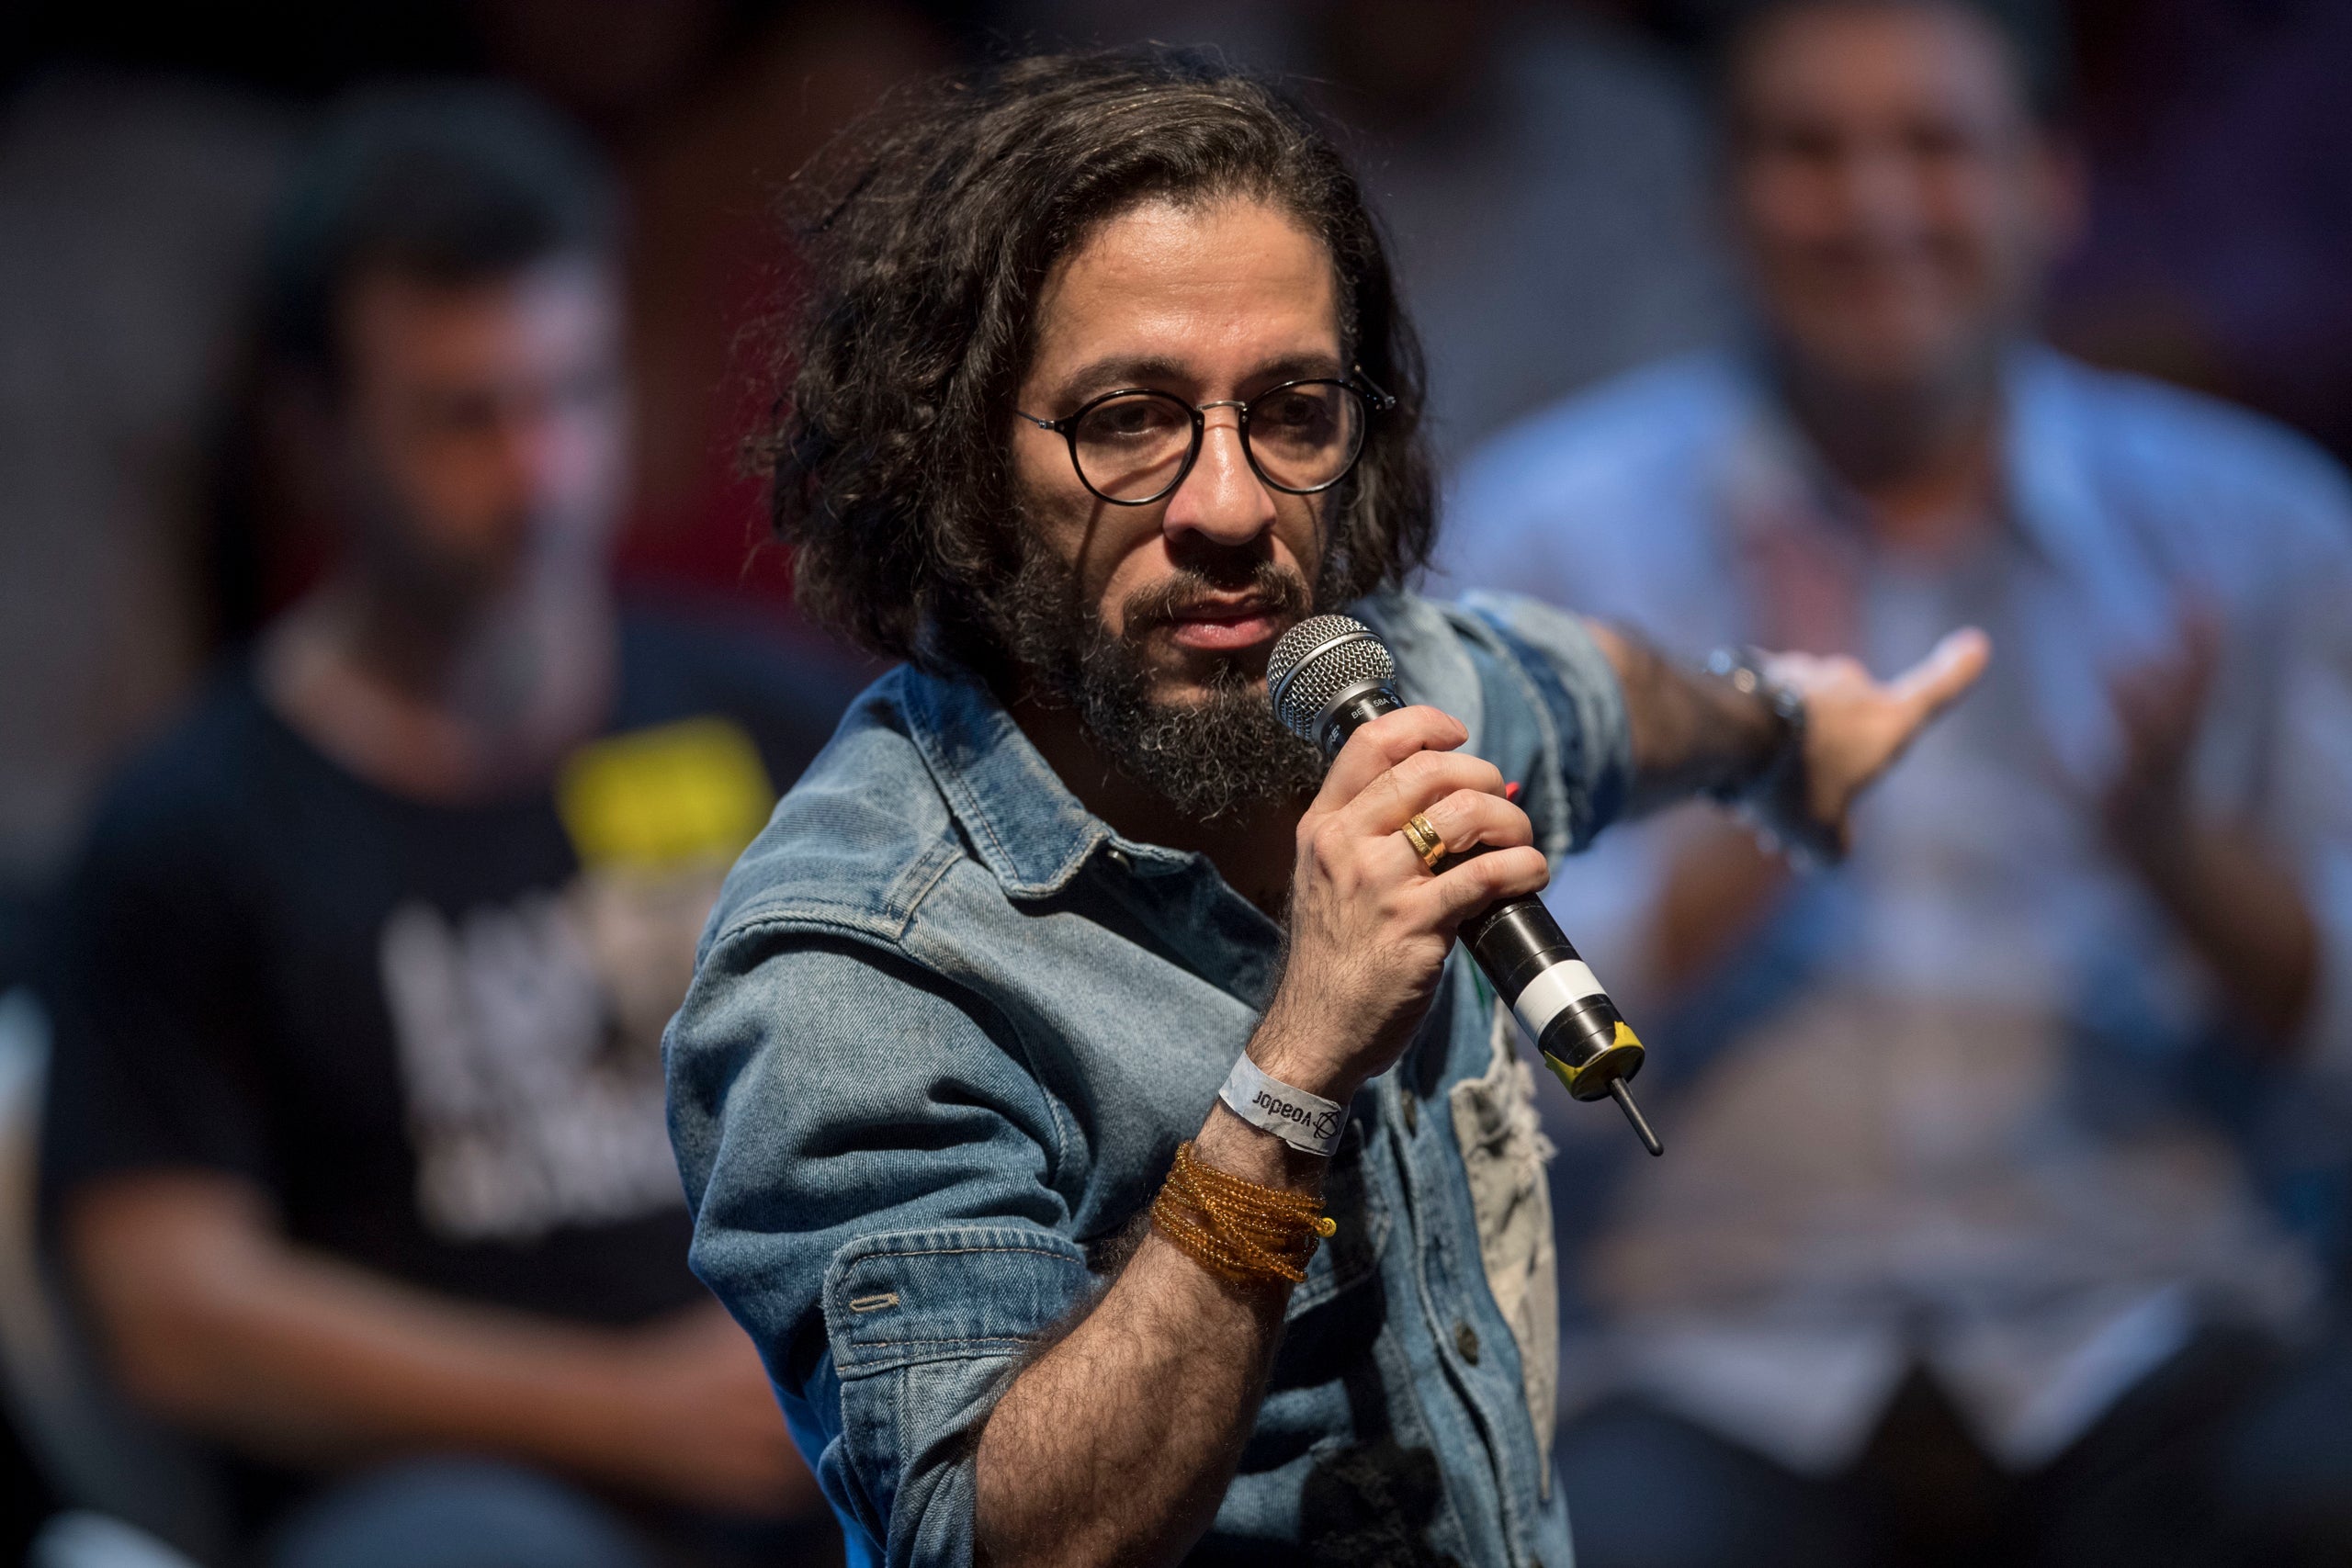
(1544, 170)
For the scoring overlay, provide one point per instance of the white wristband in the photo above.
(1304, 1121)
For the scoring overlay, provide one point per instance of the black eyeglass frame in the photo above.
(1363, 386)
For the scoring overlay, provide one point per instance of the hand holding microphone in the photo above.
(1370, 925)
(1376, 906)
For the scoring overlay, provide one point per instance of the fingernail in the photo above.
(1510, 790)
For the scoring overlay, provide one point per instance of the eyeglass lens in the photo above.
(1134, 447)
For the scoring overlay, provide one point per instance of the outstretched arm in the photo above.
(1691, 731)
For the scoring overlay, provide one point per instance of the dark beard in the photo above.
(1213, 757)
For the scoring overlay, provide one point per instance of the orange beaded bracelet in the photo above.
(1236, 1229)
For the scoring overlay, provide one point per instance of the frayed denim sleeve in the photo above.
(1578, 692)
(871, 1173)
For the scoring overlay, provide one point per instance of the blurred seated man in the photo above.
(357, 1140)
(1953, 1244)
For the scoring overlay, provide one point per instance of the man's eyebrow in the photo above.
(1120, 370)
(1299, 367)
(1116, 371)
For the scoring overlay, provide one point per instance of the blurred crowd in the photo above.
(390, 664)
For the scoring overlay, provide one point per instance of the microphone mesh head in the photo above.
(1316, 661)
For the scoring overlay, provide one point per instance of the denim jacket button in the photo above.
(1465, 1340)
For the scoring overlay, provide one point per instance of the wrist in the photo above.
(1282, 1055)
(1236, 1147)
(1771, 785)
(1768, 718)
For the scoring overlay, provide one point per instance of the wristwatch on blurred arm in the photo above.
(1771, 798)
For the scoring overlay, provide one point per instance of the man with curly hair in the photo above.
(1102, 386)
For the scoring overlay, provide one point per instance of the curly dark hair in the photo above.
(929, 238)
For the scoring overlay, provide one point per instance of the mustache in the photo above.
(1279, 589)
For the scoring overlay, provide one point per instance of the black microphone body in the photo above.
(1328, 677)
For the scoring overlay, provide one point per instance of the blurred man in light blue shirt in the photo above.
(1952, 1140)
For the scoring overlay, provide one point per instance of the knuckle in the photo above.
(1460, 807)
(1437, 724)
(1497, 821)
(1418, 767)
(1471, 808)
(1513, 865)
(1380, 739)
(1415, 720)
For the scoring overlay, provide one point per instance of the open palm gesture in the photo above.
(1856, 728)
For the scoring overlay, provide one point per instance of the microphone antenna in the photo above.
(1329, 675)
(1624, 1099)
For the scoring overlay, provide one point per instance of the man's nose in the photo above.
(1879, 189)
(1222, 498)
(533, 450)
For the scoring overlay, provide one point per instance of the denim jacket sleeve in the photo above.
(1548, 709)
(892, 1279)
(1540, 698)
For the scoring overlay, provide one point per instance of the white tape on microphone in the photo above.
(1552, 992)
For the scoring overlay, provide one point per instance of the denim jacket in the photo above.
(946, 1033)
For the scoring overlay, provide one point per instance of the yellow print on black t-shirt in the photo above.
(529, 1035)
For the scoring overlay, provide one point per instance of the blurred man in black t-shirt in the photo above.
(356, 1142)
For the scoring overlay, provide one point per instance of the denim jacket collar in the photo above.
(1023, 823)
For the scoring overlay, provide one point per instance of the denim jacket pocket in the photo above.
(925, 1328)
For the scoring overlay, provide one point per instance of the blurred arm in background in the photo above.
(356, 1135)
(2221, 881)
(212, 1318)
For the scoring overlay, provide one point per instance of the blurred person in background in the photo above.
(1961, 1254)
(355, 1144)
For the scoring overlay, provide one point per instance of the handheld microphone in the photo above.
(1328, 676)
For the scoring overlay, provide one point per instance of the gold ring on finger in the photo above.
(1425, 840)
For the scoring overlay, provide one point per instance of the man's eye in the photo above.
(1814, 146)
(1293, 411)
(1131, 421)
(1940, 143)
(1297, 420)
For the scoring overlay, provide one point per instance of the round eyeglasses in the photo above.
(1135, 446)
